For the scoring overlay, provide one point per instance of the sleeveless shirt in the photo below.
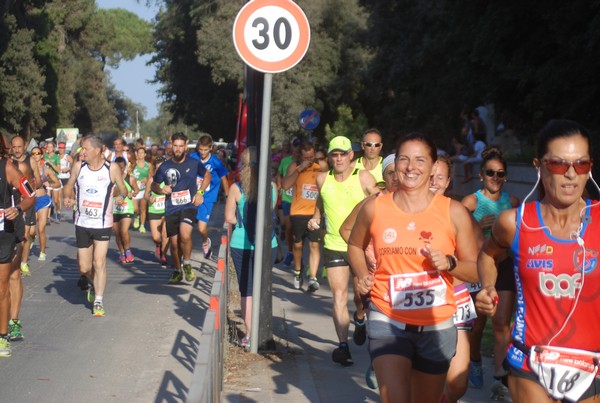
(94, 197)
(339, 198)
(550, 273)
(305, 191)
(407, 288)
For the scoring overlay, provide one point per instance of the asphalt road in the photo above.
(143, 350)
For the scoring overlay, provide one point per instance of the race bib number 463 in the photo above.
(417, 290)
(91, 208)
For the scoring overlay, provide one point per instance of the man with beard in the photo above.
(183, 198)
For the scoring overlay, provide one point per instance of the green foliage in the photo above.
(52, 57)
(346, 125)
(117, 34)
(21, 77)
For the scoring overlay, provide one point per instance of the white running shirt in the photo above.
(94, 197)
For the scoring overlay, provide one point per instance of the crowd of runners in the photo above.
(127, 188)
(425, 269)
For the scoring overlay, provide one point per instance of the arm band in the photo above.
(25, 188)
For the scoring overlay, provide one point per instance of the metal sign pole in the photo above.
(263, 183)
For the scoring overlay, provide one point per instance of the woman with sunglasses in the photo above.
(43, 202)
(486, 204)
(555, 243)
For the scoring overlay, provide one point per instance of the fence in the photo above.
(207, 381)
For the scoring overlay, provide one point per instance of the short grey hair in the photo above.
(94, 139)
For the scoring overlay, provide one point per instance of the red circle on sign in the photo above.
(255, 61)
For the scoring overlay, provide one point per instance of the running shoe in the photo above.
(122, 258)
(98, 309)
(5, 350)
(142, 229)
(289, 258)
(245, 343)
(91, 295)
(298, 280)
(15, 332)
(342, 356)
(163, 261)
(476, 375)
(42, 257)
(189, 272)
(313, 284)
(136, 222)
(176, 277)
(499, 391)
(128, 256)
(25, 270)
(82, 283)
(370, 378)
(206, 248)
(157, 252)
(360, 331)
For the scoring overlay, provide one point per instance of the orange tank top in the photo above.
(306, 191)
(407, 288)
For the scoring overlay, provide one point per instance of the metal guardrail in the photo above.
(207, 380)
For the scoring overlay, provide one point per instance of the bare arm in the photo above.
(350, 221)
(115, 174)
(368, 183)
(14, 177)
(495, 248)
(357, 243)
(69, 187)
(231, 204)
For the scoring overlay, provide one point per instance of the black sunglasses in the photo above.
(490, 173)
(368, 144)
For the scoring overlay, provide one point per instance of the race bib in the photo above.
(474, 287)
(92, 209)
(465, 308)
(120, 208)
(181, 198)
(417, 290)
(564, 372)
(289, 192)
(310, 192)
(159, 202)
(1, 219)
(199, 182)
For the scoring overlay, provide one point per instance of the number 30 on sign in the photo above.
(271, 35)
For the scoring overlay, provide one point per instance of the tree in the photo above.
(21, 92)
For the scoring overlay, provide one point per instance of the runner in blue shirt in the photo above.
(213, 164)
(183, 198)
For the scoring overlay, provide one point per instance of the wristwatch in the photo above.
(452, 262)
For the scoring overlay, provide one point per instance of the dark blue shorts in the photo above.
(243, 261)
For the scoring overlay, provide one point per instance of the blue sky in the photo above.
(132, 77)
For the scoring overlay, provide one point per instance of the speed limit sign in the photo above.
(271, 35)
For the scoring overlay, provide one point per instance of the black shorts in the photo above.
(19, 224)
(334, 258)
(86, 236)
(64, 181)
(8, 246)
(30, 217)
(300, 229)
(506, 276)
(174, 220)
(154, 216)
(119, 217)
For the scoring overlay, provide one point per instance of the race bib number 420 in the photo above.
(564, 372)
(417, 290)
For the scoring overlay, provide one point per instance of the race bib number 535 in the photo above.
(417, 290)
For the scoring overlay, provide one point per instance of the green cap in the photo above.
(339, 143)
